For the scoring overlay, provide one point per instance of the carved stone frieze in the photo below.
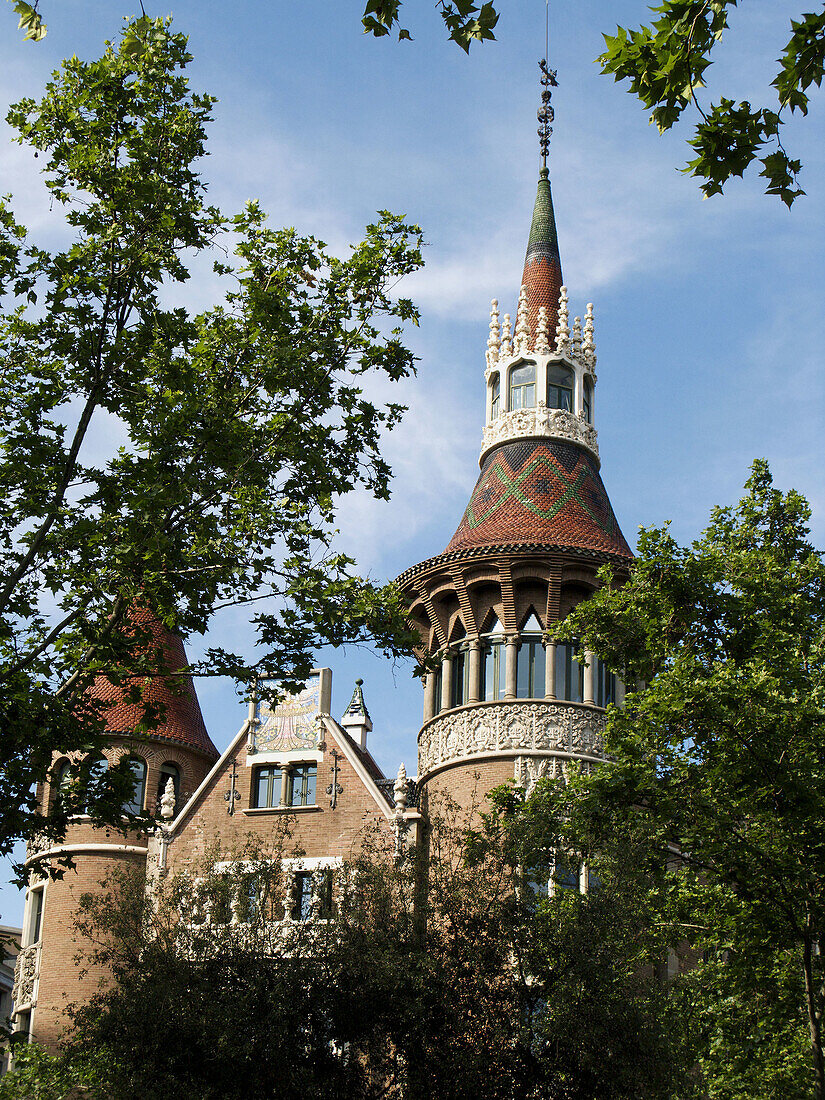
(26, 972)
(522, 726)
(541, 422)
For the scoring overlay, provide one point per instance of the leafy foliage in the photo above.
(443, 973)
(234, 432)
(719, 767)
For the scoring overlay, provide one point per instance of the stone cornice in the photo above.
(516, 549)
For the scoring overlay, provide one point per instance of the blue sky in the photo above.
(709, 319)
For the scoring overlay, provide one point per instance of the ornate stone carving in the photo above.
(568, 729)
(26, 973)
(542, 422)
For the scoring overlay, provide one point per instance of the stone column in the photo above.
(474, 672)
(286, 772)
(511, 647)
(446, 681)
(549, 670)
(429, 696)
(589, 676)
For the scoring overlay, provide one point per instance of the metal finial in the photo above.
(545, 113)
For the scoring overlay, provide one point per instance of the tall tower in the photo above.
(47, 976)
(505, 702)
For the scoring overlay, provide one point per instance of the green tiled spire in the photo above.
(543, 240)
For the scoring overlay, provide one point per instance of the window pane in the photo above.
(302, 786)
(458, 679)
(302, 905)
(537, 685)
(523, 661)
(437, 691)
(523, 375)
(565, 873)
(37, 916)
(138, 770)
(560, 375)
(268, 787)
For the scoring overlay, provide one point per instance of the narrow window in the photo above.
(61, 783)
(569, 673)
(523, 387)
(36, 916)
(530, 661)
(266, 787)
(460, 680)
(138, 770)
(312, 895)
(95, 769)
(566, 873)
(302, 896)
(559, 387)
(167, 772)
(495, 404)
(302, 785)
(438, 680)
(493, 661)
(588, 400)
(604, 683)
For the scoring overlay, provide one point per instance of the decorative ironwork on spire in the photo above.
(546, 113)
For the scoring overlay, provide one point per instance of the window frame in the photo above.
(520, 388)
(557, 389)
(274, 783)
(495, 397)
(311, 770)
(138, 801)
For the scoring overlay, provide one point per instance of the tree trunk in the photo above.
(814, 1018)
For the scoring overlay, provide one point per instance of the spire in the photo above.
(542, 265)
(356, 719)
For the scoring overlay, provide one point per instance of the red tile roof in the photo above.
(180, 718)
(542, 492)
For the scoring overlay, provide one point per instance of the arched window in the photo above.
(569, 673)
(523, 387)
(93, 770)
(530, 661)
(495, 396)
(167, 772)
(61, 781)
(588, 400)
(559, 387)
(494, 663)
(134, 805)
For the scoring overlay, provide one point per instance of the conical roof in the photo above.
(541, 492)
(174, 694)
(542, 276)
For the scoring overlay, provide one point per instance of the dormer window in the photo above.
(559, 387)
(587, 407)
(523, 387)
(495, 397)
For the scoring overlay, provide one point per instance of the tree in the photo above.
(449, 972)
(664, 65)
(718, 764)
(238, 429)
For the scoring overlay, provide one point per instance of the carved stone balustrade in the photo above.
(511, 728)
(26, 973)
(538, 423)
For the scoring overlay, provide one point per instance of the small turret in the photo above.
(356, 720)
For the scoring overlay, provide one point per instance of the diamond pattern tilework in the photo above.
(540, 491)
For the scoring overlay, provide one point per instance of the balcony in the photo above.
(511, 728)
